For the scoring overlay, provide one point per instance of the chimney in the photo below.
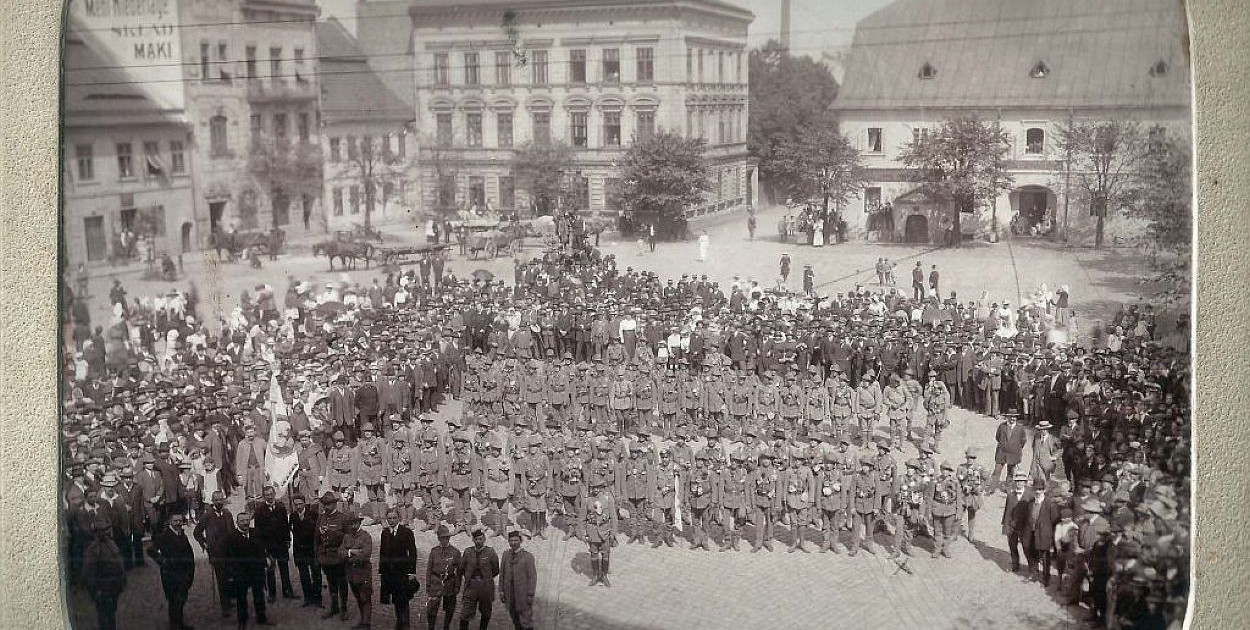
(785, 25)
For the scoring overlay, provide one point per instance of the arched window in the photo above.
(1159, 69)
(1034, 141)
(218, 143)
(1040, 70)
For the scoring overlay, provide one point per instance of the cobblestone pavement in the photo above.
(679, 588)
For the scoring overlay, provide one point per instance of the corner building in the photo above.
(492, 75)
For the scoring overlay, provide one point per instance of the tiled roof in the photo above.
(350, 90)
(982, 52)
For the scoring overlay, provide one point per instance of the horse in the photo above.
(345, 252)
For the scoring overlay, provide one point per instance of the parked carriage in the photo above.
(400, 255)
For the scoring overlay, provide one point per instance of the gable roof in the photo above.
(350, 90)
(1097, 54)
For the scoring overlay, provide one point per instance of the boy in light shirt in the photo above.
(1065, 542)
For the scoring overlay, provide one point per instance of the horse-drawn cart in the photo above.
(400, 255)
(491, 242)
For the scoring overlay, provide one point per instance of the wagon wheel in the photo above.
(492, 249)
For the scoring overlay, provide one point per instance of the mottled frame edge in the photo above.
(30, 62)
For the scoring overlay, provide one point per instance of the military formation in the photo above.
(616, 408)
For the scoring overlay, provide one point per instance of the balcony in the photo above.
(280, 91)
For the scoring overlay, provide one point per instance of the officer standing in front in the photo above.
(479, 565)
(442, 580)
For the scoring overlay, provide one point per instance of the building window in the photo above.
(581, 185)
(927, 71)
(874, 139)
(303, 124)
(701, 51)
(222, 53)
(539, 63)
(1159, 69)
(503, 129)
(577, 66)
(477, 191)
(254, 126)
(611, 65)
(275, 63)
(503, 68)
(542, 127)
(578, 130)
(473, 129)
(689, 123)
(279, 126)
(177, 157)
(388, 143)
(471, 76)
(335, 151)
(250, 61)
(152, 158)
(872, 199)
(204, 61)
(612, 194)
(217, 136)
(646, 65)
(353, 199)
(689, 65)
(366, 147)
(441, 73)
(644, 124)
(1034, 141)
(720, 67)
(443, 133)
(738, 70)
(83, 155)
(401, 145)
(125, 160)
(447, 191)
(1040, 70)
(507, 192)
(612, 129)
(722, 127)
(337, 196)
(351, 148)
(919, 135)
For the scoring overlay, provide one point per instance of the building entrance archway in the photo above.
(916, 229)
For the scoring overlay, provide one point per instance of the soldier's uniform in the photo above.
(799, 485)
(714, 401)
(510, 398)
(401, 474)
(897, 402)
(601, 473)
(972, 477)
(841, 401)
(634, 480)
(917, 412)
(671, 403)
(868, 404)
(470, 392)
(559, 394)
(909, 508)
(833, 498)
(535, 392)
(937, 399)
(733, 499)
(372, 462)
(461, 475)
(538, 485)
(496, 481)
(945, 502)
(767, 400)
(644, 401)
(697, 496)
(865, 505)
(579, 403)
(429, 467)
(622, 402)
(340, 471)
(790, 404)
(600, 396)
(311, 472)
(816, 407)
(741, 401)
(663, 498)
(764, 501)
(569, 471)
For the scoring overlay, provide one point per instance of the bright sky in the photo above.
(815, 25)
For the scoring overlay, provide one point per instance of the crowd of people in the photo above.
(604, 403)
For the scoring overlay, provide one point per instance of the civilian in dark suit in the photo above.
(172, 552)
(365, 396)
(1010, 437)
(273, 527)
(1016, 519)
(171, 499)
(343, 408)
(303, 523)
(397, 559)
(245, 566)
(1040, 542)
(212, 532)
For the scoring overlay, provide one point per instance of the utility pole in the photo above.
(1067, 180)
(785, 25)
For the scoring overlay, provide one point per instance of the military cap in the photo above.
(442, 532)
(883, 443)
(1020, 476)
(971, 452)
(926, 447)
(1091, 505)
(328, 497)
(867, 460)
(947, 465)
(338, 436)
(913, 463)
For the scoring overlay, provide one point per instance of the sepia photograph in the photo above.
(626, 314)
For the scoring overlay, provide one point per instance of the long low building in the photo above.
(1030, 67)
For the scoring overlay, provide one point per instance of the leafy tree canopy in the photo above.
(819, 163)
(787, 95)
(663, 175)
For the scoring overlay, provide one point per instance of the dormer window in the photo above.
(1159, 69)
(1040, 70)
(927, 71)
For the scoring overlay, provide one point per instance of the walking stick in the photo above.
(216, 596)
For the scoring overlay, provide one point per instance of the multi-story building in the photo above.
(1031, 68)
(493, 75)
(127, 160)
(368, 137)
(177, 97)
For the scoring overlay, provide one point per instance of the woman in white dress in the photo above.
(818, 233)
(704, 242)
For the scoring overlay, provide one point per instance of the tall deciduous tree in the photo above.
(661, 176)
(820, 163)
(1104, 160)
(545, 170)
(960, 164)
(295, 169)
(1165, 200)
(787, 95)
(377, 167)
